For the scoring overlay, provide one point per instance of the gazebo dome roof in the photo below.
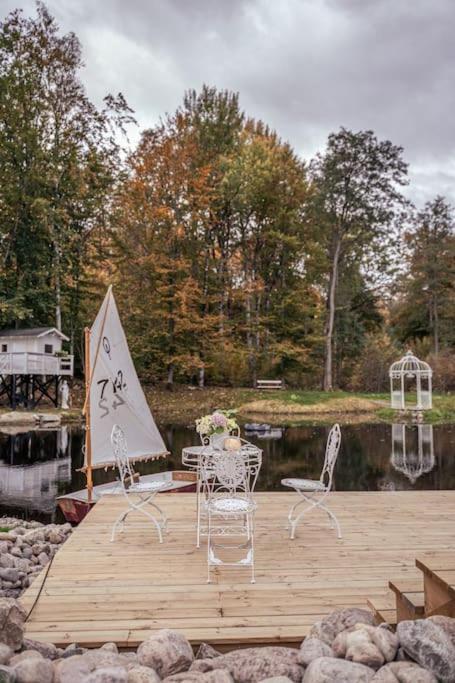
(410, 365)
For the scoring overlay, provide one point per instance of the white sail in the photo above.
(116, 396)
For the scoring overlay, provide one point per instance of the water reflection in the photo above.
(412, 450)
(36, 466)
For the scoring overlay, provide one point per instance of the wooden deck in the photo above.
(97, 591)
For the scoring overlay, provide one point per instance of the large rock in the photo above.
(142, 674)
(5, 653)
(74, 669)
(9, 575)
(403, 672)
(254, 664)
(328, 628)
(113, 674)
(329, 670)
(220, 676)
(431, 643)
(48, 650)
(12, 617)
(313, 648)
(364, 644)
(167, 651)
(7, 674)
(206, 651)
(34, 670)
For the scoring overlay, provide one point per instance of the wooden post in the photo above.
(88, 438)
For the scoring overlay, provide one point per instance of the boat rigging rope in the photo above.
(49, 564)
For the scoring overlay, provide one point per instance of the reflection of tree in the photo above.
(410, 456)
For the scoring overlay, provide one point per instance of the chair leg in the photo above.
(209, 540)
(251, 538)
(198, 503)
(120, 520)
(335, 524)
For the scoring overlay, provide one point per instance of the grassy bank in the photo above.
(184, 404)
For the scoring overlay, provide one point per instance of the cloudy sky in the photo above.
(306, 67)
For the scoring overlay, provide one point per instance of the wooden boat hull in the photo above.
(75, 506)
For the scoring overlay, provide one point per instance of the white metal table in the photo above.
(191, 457)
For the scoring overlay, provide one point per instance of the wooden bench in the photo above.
(269, 384)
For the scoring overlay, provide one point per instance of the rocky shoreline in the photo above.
(344, 647)
(25, 548)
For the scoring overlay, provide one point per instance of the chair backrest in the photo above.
(331, 454)
(232, 473)
(119, 447)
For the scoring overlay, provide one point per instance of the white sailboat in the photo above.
(114, 396)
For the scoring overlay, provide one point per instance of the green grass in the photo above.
(4, 529)
(443, 404)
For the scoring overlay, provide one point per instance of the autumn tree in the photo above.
(59, 158)
(356, 198)
(426, 304)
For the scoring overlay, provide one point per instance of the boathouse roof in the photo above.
(32, 332)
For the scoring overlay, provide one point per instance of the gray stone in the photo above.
(142, 674)
(11, 575)
(73, 649)
(206, 651)
(252, 665)
(167, 651)
(109, 647)
(220, 676)
(21, 564)
(277, 679)
(7, 561)
(312, 648)
(7, 674)
(55, 537)
(25, 655)
(48, 650)
(328, 628)
(364, 644)
(431, 645)
(34, 670)
(74, 669)
(34, 536)
(5, 653)
(403, 672)
(113, 674)
(17, 552)
(27, 552)
(12, 617)
(7, 536)
(329, 670)
(43, 559)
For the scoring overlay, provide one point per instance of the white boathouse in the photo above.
(32, 365)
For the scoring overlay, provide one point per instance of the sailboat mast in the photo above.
(88, 436)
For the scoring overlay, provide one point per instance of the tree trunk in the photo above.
(58, 289)
(170, 377)
(249, 340)
(435, 327)
(201, 377)
(331, 298)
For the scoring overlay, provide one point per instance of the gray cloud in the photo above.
(304, 66)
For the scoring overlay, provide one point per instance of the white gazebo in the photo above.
(409, 375)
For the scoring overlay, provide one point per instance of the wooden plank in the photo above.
(97, 591)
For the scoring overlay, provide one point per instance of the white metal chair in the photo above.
(143, 492)
(229, 478)
(314, 492)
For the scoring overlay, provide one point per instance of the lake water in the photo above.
(38, 465)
